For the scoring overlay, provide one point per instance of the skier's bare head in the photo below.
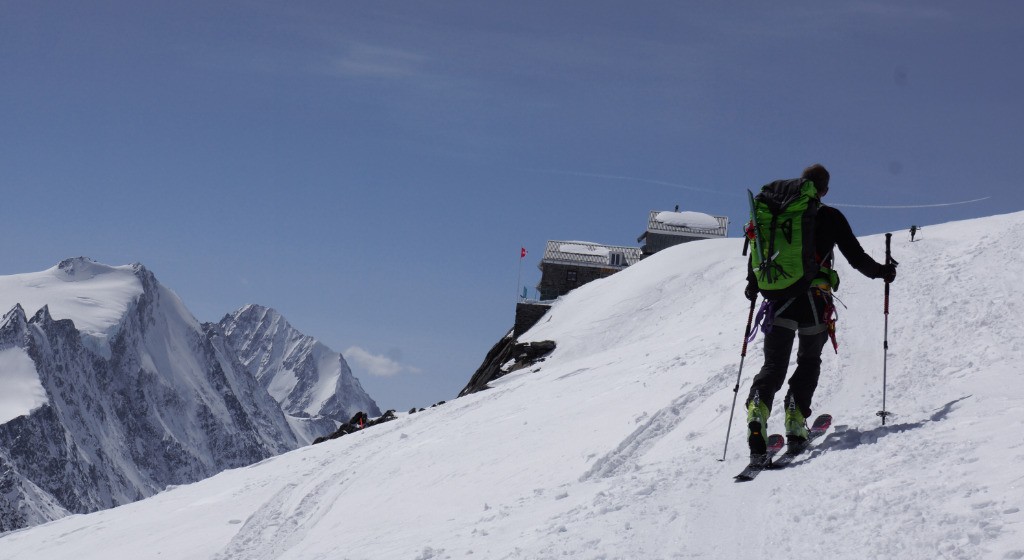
(818, 175)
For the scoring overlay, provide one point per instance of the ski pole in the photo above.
(736, 389)
(885, 340)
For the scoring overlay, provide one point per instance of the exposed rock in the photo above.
(507, 356)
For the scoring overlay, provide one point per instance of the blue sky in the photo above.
(370, 169)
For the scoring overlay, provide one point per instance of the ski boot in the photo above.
(757, 427)
(796, 428)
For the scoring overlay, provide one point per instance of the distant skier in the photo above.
(807, 312)
(359, 420)
(913, 231)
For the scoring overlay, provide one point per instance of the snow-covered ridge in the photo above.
(267, 353)
(313, 383)
(93, 295)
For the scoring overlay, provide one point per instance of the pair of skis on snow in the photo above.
(775, 444)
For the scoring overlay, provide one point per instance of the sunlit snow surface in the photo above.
(610, 448)
(93, 295)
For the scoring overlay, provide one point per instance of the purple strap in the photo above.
(764, 321)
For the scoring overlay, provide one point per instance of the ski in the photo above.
(818, 428)
(760, 463)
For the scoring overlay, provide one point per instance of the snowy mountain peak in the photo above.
(15, 317)
(42, 316)
(253, 314)
(113, 390)
(82, 267)
(309, 379)
(254, 311)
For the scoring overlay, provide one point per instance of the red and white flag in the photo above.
(522, 252)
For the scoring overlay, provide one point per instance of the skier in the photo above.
(808, 315)
(913, 231)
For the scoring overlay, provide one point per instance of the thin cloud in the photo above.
(375, 364)
(363, 60)
(912, 205)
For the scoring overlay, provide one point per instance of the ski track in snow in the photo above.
(284, 520)
(662, 422)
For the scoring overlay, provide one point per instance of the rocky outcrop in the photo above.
(506, 356)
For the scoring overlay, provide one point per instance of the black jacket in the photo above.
(830, 230)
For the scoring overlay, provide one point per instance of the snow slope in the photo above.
(610, 448)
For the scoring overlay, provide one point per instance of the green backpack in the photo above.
(781, 230)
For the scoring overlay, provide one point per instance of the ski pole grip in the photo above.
(746, 333)
(888, 261)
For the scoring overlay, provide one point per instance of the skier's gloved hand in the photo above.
(750, 292)
(887, 272)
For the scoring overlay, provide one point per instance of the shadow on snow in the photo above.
(845, 437)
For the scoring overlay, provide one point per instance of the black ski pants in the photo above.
(803, 318)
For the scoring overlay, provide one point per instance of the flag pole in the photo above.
(519, 276)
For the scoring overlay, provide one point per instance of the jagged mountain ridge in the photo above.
(309, 380)
(142, 396)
